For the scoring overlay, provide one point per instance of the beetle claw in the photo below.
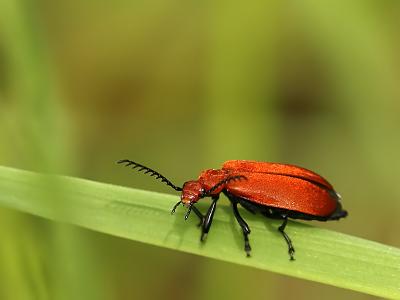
(291, 253)
(247, 248)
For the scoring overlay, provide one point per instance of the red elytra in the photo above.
(277, 191)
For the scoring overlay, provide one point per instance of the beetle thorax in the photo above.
(191, 192)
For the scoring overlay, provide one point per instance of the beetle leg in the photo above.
(207, 219)
(288, 240)
(243, 225)
(199, 214)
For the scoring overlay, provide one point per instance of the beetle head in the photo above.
(191, 192)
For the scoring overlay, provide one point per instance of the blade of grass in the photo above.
(322, 255)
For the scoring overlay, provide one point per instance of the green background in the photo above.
(182, 86)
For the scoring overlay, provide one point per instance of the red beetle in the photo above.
(277, 191)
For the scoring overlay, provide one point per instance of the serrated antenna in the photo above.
(149, 171)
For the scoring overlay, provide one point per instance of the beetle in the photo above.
(277, 191)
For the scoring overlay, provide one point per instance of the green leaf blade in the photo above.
(321, 255)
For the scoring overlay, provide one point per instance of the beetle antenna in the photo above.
(222, 182)
(146, 170)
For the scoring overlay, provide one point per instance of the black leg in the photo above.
(199, 214)
(288, 241)
(207, 220)
(242, 223)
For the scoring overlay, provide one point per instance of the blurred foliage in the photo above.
(183, 86)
